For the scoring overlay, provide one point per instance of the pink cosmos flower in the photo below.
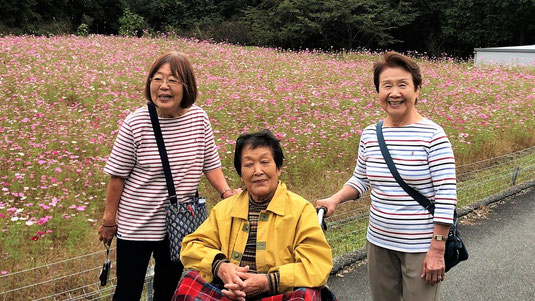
(54, 202)
(44, 219)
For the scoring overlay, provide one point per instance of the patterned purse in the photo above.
(184, 217)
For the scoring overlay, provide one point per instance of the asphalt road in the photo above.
(501, 243)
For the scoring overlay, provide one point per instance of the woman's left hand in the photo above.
(434, 266)
(255, 284)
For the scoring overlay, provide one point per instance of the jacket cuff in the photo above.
(206, 265)
(220, 258)
(286, 279)
(274, 282)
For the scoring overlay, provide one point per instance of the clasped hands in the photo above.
(239, 283)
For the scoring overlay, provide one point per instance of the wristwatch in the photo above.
(439, 237)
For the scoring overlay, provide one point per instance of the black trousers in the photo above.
(132, 260)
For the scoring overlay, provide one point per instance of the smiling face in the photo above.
(259, 172)
(166, 92)
(397, 96)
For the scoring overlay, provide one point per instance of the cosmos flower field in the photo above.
(65, 97)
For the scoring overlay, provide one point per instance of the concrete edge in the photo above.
(343, 261)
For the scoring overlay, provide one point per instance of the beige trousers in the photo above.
(395, 276)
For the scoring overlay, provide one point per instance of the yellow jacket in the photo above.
(289, 239)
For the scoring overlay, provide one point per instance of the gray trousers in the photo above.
(396, 275)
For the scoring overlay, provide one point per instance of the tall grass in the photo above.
(65, 97)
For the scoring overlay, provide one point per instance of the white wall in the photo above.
(505, 56)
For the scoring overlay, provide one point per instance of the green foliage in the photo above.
(49, 29)
(459, 26)
(484, 23)
(177, 13)
(347, 237)
(83, 30)
(101, 15)
(47, 17)
(341, 24)
(132, 24)
(434, 27)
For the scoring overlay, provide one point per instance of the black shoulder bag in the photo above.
(455, 248)
(181, 218)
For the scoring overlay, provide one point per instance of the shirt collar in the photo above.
(277, 204)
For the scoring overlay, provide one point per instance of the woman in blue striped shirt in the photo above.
(405, 243)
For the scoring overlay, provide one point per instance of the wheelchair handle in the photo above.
(321, 217)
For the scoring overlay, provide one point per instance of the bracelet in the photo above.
(223, 193)
(113, 226)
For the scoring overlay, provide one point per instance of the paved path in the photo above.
(501, 243)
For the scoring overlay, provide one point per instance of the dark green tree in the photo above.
(29, 16)
(424, 32)
(433, 26)
(486, 23)
(325, 23)
(105, 14)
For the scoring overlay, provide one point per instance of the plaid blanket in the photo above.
(193, 288)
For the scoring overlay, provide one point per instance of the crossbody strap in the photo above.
(417, 196)
(163, 153)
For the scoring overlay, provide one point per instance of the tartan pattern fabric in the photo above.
(183, 218)
(193, 288)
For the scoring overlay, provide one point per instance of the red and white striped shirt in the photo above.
(424, 159)
(191, 149)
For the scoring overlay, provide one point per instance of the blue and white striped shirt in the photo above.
(424, 158)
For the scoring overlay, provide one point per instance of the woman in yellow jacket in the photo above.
(262, 242)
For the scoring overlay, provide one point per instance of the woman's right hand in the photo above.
(328, 203)
(229, 193)
(345, 194)
(108, 226)
(106, 234)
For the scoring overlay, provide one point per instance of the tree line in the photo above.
(435, 27)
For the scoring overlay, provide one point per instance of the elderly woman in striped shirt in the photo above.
(405, 243)
(137, 192)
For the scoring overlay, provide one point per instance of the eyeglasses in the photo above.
(172, 82)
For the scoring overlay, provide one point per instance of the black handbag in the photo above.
(455, 249)
(181, 218)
